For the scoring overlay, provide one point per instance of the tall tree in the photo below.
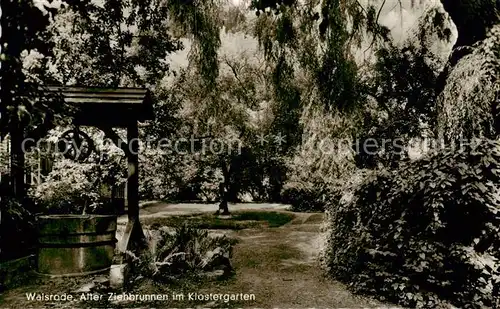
(223, 126)
(24, 109)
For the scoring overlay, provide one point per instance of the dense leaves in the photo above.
(22, 102)
(416, 233)
(468, 104)
(117, 43)
(303, 198)
(426, 231)
(80, 187)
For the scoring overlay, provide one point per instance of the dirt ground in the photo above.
(275, 267)
(280, 267)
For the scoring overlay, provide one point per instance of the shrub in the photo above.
(314, 196)
(73, 187)
(162, 176)
(186, 251)
(303, 197)
(425, 233)
(78, 186)
(67, 189)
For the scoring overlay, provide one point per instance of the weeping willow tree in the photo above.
(468, 100)
(319, 88)
(322, 93)
(315, 40)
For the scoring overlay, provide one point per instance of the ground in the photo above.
(276, 264)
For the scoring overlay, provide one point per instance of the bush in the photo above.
(314, 196)
(425, 233)
(303, 197)
(74, 188)
(187, 251)
(163, 176)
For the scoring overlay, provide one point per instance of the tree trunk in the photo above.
(224, 189)
(17, 167)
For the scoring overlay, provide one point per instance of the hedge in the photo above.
(424, 234)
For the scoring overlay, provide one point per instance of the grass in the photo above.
(315, 218)
(238, 220)
(274, 219)
(268, 256)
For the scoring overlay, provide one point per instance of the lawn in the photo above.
(237, 221)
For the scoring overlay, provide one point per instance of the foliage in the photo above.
(468, 104)
(108, 43)
(222, 128)
(319, 36)
(70, 188)
(16, 216)
(402, 88)
(230, 122)
(205, 184)
(79, 187)
(319, 91)
(323, 161)
(164, 176)
(187, 251)
(114, 43)
(23, 102)
(304, 197)
(125, 43)
(425, 232)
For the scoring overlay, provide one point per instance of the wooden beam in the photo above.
(133, 171)
(93, 106)
(133, 238)
(117, 140)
